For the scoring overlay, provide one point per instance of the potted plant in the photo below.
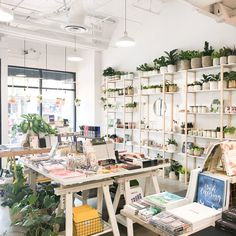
(117, 75)
(172, 145)
(144, 69)
(129, 107)
(225, 83)
(130, 90)
(213, 79)
(171, 60)
(218, 132)
(184, 57)
(190, 87)
(172, 87)
(230, 132)
(152, 89)
(182, 173)
(196, 61)
(108, 72)
(175, 166)
(162, 64)
(130, 75)
(145, 89)
(197, 151)
(197, 85)
(224, 53)
(205, 82)
(206, 55)
(216, 58)
(77, 102)
(231, 79)
(232, 56)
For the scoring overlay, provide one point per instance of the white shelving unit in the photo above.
(167, 130)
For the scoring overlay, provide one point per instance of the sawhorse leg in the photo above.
(69, 215)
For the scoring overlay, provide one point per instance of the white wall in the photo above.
(178, 26)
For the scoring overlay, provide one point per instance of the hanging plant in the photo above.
(77, 102)
(12, 100)
(39, 98)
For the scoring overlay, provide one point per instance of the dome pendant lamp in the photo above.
(125, 41)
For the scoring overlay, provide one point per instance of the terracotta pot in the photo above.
(196, 63)
(184, 64)
(206, 61)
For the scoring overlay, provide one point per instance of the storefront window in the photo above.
(48, 93)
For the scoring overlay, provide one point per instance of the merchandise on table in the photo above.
(230, 215)
(226, 226)
(67, 173)
(135, 207)
(147, 213)
(166, 200)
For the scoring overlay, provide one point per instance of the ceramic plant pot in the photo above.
(232, 59)
(171, 147)
(206, 61)
(213, 85)
(171, 68)
(223, 60)
(216, 61)
(196, 63)
(172, 175)
(184, 64)
(163, 69)
(206, 86)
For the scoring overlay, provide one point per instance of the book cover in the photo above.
(211, 191)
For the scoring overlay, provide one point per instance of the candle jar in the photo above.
(195, 109)
(199, 109)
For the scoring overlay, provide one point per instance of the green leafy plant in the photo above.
(197, 83)
(172, 141)
(208, 50)
(212, 77)
(195, 54)
(160, 62)
(131, 105)
(184, 55)
(175, 166)
(215, 54)
(33, 123)
(230, 76)
(144, 67)
(230, 130)
(109, 72)
(183, 171)
(205, 78)
(144, 87)
(171, 57)
(225, 51)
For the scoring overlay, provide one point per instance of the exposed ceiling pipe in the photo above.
(54, 39)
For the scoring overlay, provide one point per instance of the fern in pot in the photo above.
(216, 58)
(230, 132)
(232, 56)
(171, 60)
(162, 64)
(206, 55)
(175, 166)
(196, 61)
(172, 145)
(185, 57)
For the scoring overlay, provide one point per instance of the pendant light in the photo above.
(125, 41)
(74, 56)
(6, 15)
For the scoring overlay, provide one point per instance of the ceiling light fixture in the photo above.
(6, 15)
(125, 41)
(74, 56)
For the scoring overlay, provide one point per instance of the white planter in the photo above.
(213, 85)
(163, 69)
(140, 73)
(208, 133)
(171, 147)
(213, 134)
(206, 86)
(158, 90)
(197, 87)
(130, 76)
(232, 59)
(181, 178)
(154, 72)
(199, 109)
(195, 109)
(145, 73)
(203, 109)
(224, 84)
(204, 133)
(223, 60)
(145, 91)
(190, 88)
(142, 126)
(152, 91)
(216, 61)
(171, 68)
(150, 73)
(172, 175)
(218, 134)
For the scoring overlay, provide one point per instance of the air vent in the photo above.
(75, 29)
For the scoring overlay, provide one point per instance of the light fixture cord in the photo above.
(24, 57)
(75, 44)
(46, 49)
(125, 15)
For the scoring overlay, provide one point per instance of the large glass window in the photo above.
(45, 92)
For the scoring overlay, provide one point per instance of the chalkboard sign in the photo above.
(210, 191)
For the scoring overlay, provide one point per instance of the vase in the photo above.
(213, 85)
(216, 61)
(171, 68)
(163, 69)
(196, 63)
(206, 61)
(232, 59)
(184, 64)
(223, 60)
